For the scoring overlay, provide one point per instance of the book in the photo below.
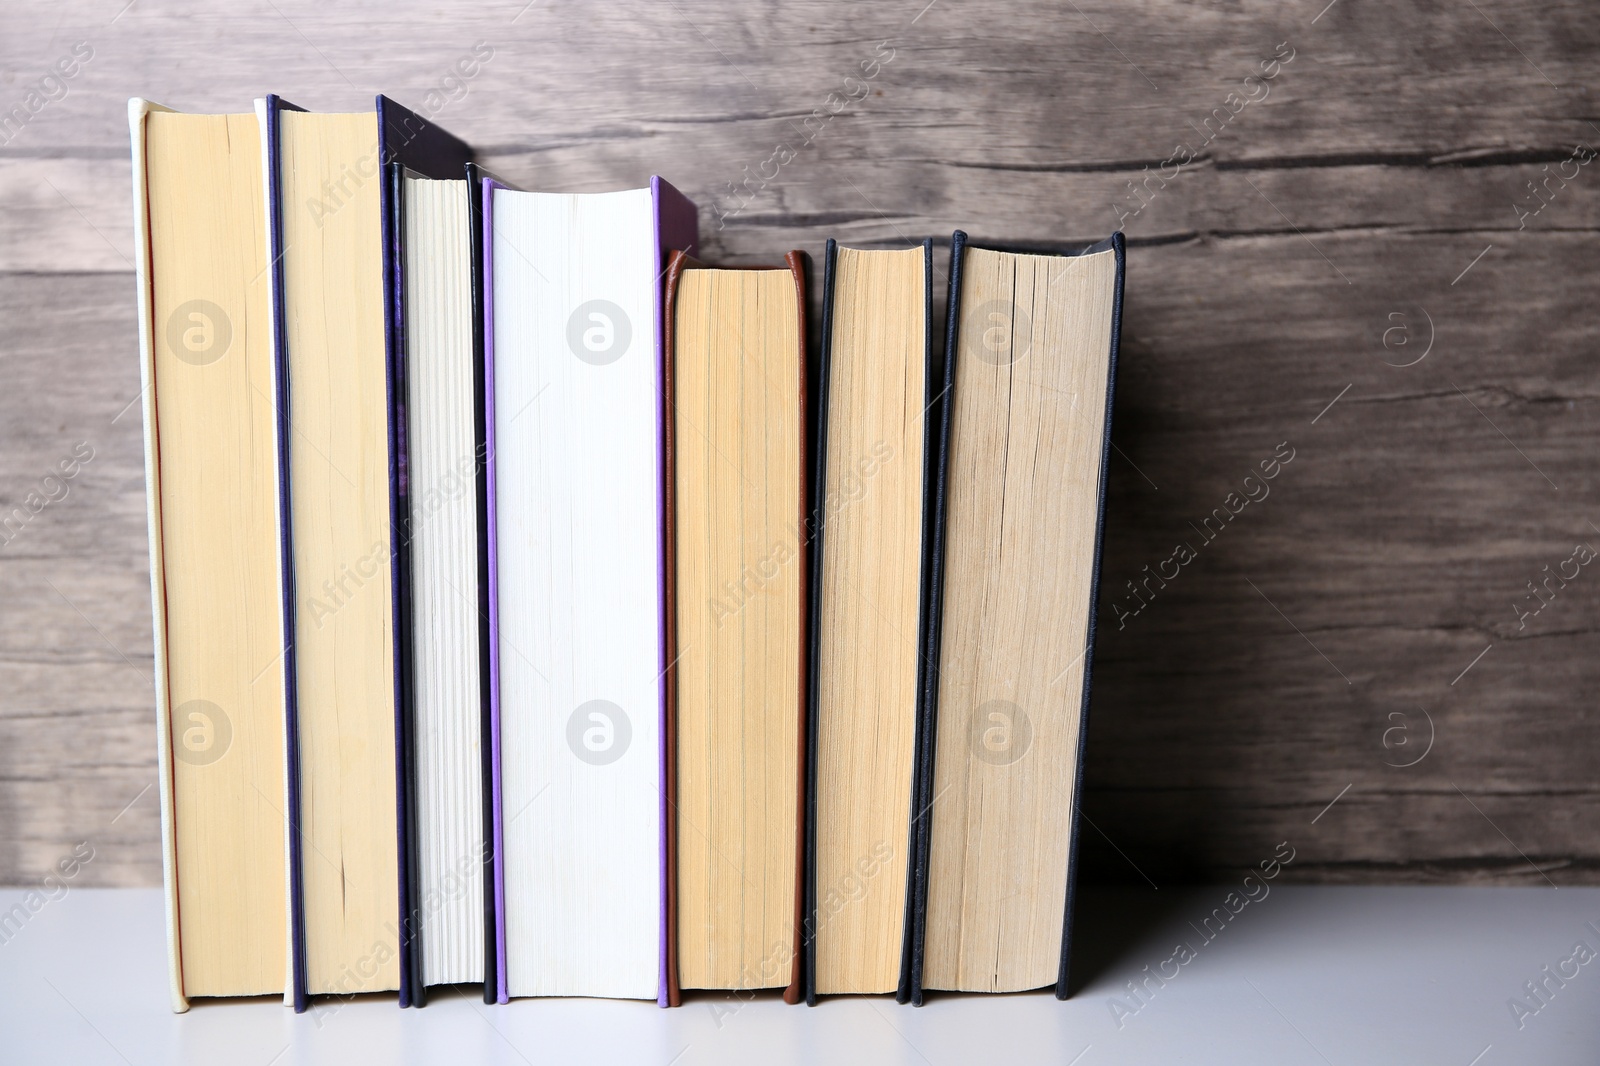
(438, 385)
(573, 350)
(878, 403)
(738, 584)
(334, 276)
(1026, 431)
(518, 617)
(210, 438)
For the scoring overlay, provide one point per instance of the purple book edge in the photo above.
(677, 228)
(499, 868)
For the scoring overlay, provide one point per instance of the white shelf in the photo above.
(1314, 975)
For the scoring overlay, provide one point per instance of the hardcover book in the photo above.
(335, 278)
(211, 437)
(1026, 430)
(878, 406)
(574, 358)
(738, 589)
(438, 390)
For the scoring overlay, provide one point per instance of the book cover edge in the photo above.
(1116, 245)
(798, 266)
(819, 489)
(138, 110)
(269, 111)
(676, 225)
(405, 140)
(482, 398)
(501, 983)
(933, 587)
(671, 992)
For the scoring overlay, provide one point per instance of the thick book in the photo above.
(878, 403)
(573, 353)
(211, 437)
(1024, 438)
(738, 590)
(334, 279)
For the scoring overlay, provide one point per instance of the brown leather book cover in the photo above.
(677, 263)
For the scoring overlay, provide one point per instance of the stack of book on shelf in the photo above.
(537, 605)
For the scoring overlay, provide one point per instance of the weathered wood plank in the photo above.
(1020, 124)
(1398, 830)
(67, 214)
(77, 723)
(1040, 84)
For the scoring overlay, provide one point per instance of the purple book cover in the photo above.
(677, 229)
(499, 868)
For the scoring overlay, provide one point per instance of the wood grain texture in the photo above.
(1392, 150)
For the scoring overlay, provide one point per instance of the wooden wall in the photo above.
(1373, 195)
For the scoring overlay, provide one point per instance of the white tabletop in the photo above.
(1315, 975)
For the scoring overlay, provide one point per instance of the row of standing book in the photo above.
(540, 606)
